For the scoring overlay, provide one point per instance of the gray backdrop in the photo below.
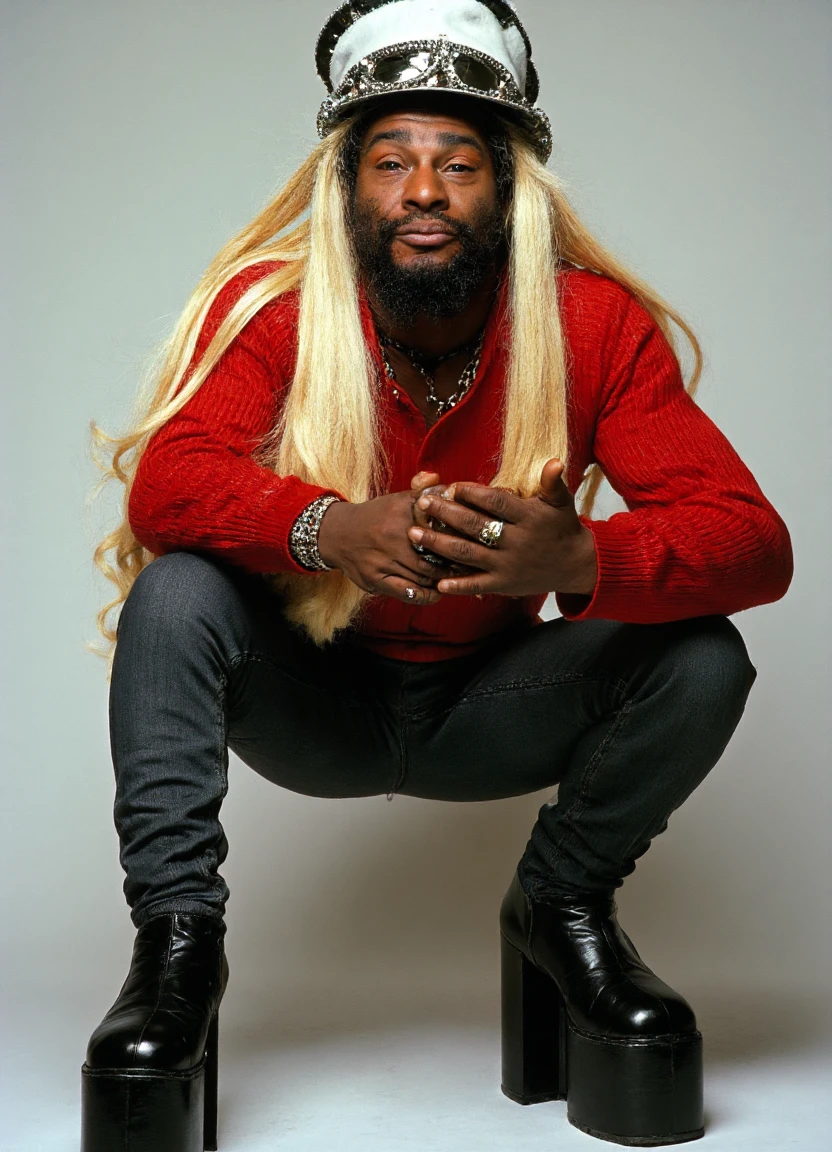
(694, 139)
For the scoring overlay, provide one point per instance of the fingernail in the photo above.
(416, 534)
(424, 503)
(448, 494)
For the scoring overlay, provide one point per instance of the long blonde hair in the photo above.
(326, 432)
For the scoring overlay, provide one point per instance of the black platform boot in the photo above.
(585, 1020)
(149, 1083)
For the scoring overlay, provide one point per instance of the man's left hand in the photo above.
(543, 546)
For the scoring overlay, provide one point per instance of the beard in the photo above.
(423, 287)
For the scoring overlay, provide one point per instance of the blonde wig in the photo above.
(327, 431)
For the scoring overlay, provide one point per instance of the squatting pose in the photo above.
(345, 505)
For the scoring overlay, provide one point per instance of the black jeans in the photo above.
(626, 718)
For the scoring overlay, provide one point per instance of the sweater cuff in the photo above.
(616, 582)
(286, 506)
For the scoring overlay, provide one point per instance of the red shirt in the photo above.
(699, 536)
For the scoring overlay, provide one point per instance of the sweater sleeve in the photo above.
(197, 486)
(699, 536)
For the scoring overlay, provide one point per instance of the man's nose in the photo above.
(424, 190)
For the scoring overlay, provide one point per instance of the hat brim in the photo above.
(534, 122)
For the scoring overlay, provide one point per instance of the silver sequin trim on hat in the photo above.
(359, 84)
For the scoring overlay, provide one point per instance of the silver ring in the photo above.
(431, 557)
(491, 532)
(410, 593)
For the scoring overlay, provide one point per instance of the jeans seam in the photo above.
(524, 685)
(254, 657)
(214, 880)
(590, 770)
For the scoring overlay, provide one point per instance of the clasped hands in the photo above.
(543, 546)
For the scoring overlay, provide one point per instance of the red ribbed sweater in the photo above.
(699, 536)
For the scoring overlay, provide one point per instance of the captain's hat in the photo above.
(373, 48)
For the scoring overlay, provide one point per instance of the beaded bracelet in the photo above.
(303, 538)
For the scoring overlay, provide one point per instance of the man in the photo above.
(356, 486)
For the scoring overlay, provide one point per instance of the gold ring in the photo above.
(491, 532)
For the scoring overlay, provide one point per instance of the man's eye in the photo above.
(461, 167)
(388, 164)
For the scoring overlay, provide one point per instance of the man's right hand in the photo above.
(369, 543)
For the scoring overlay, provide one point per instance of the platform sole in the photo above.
(126, 1110)
(640, 1092)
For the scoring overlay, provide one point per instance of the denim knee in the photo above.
(179, 592)
(711, 663)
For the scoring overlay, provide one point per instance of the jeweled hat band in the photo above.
(374, 48)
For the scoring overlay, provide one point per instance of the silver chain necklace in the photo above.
(469, 372)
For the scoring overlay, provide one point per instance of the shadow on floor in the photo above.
(328, 1030)
(739, 1026)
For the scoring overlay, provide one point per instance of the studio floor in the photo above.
(389, 1069)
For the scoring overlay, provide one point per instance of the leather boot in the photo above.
(149, 1083)
(584, 1019)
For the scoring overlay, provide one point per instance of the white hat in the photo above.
(373, 48)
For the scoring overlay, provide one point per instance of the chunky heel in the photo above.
(533, 1031)
(638, 1092)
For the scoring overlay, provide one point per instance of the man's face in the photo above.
(426, 218)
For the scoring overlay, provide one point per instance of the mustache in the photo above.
(387, 229)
